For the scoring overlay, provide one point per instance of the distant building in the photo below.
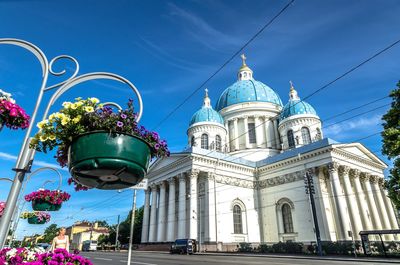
(81, 231)
(242, 177)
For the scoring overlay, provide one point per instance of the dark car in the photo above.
(183, 246)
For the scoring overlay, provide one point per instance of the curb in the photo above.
(330, 258)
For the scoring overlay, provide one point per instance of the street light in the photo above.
(26, 155)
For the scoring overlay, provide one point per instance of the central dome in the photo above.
(247, 91)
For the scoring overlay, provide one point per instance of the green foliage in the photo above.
(49, 233)
(338, 248)
(245, 247)
(391, 144)
(264, 248)
(287, 247)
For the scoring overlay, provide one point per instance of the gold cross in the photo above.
(243, 59)
(291, 85)
(206, 92)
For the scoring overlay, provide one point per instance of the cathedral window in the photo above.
(252, 133)
(204, 141)
(305, 134)
(218, 143)
(193, 142)
(290, 138)
(287, 218)
(237, 220)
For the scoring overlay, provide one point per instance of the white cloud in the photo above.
(372, 123)
(40, 163)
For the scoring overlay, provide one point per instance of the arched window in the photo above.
(218, 143)
(318, 136)
(237, 220)
(305, 134)
(287, 218)
(192, 142)
(290, 138)
(204, 141)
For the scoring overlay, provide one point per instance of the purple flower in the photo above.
(156, 146)
(120, 124)
(123, 116)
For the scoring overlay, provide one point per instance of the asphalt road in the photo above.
(151, 258)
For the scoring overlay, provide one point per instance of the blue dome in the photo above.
(247, 91)
(296, 107)
(206, 114)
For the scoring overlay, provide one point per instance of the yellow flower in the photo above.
(67, 104)
(59, 115)
(65, 120)
(41, 124)
(43, 138)
(76, 119)
(74, 106)
(94, 100)
(78, 104)
(89, 109)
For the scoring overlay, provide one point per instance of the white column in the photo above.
(275, 134)
(236, 130)
(259, 130)
(246, 131)
(389, 208)
(343, 219)
(268, 139)
(194, 214)
(153, 215)
(146, 216)
(182, 207)
(227, 143)
(362, 205)
(171, 211)
(381, 205)
(365, 177)
(161, 213)
(210, 209)
(356, 223)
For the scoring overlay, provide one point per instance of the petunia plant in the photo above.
(51, 196)
(40, 216)
(12, 115)
(2, 207)
(89, 115)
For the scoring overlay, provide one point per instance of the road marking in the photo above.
(136, 262)
(103, 259)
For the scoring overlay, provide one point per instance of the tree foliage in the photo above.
(49, 234)
(391, 145)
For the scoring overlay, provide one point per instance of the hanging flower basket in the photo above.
(47, 200)
(40, 257)
(12, 115)
(2, 207)
(108, 161)
(37, 218)
(102, 148)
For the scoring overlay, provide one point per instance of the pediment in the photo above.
(359, 150)
(165, 161)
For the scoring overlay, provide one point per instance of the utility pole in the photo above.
(310, 190)
(132, 227)
(116, 236)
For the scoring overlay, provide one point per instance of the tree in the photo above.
(49, 233)
(391, 145)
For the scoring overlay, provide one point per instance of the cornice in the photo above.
(168, 167)
(347, 155)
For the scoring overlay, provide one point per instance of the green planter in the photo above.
(34, 221)
(108, 161)
(41, 205)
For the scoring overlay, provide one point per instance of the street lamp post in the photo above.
(26, 155)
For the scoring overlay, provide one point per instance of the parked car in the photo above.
(184, 246)
(44, 246)
(89, 245)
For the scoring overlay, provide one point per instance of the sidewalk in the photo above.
(331, 258)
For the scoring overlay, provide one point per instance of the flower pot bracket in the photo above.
(47, 181)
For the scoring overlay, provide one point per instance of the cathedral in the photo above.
(241, 179)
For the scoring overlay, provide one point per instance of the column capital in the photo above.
(147, 191)
(373, 179)
(333, 167)
(171, 180)
(153, 186)
(210, 176)
(193, 173)
(381, 182)
(162, 184)
(182, 177)
(364, 176)
(354, 173)
(344, 170)
(234, 119)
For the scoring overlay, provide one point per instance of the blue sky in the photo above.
(167, 49)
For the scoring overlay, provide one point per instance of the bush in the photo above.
(245, 247)
(288, 247)
(337, 248)
(264, 248)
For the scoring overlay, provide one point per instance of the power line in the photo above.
(226, 63)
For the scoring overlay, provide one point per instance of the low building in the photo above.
(91, 234)
(79, 231)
